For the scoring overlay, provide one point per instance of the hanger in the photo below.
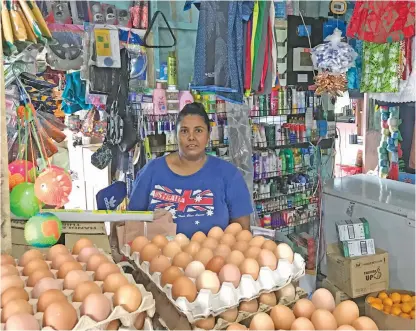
(145, 44)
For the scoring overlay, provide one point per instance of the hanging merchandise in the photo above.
(107, 46)
(74, 94)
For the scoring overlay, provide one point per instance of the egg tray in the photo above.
(207, 303)
(148, 326)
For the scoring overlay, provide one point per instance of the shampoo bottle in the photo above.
(159, 100)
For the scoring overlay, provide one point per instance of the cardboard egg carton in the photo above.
(148, 326)
(207, 303)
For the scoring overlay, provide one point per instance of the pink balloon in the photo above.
(20, 166)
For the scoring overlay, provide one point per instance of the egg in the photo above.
(208, 280)
(181, 239)
(34, 265)
(60, 315)
(45, 284)
(364, 323)
(13, 293)
(284, 252)
(22, 321)
(55, 250)
(302, 324)
(140, 319)
(95, 261)
(231, 274)
(48, 297)
(149, 251)
(204, 255)
(346, 312)
(170, 275)
(30, 255)
(230, 315)
(84, 289)
(80, 244)
(267, 259)
(323, 299)
(184, 287)
(282, 317)
(97, 306)
(192, 248)
(252, 252)
(114, 325)
(261, 321)
(160, 241)
(182, 260)
(106, 269)
(270, 245)
(198, 237)
(11, 281)
(346, 328)
(222, 250)
(236, 326)
(129, 297)
(67, 267)
(215, 264)
(249, 306)
(288, 292)
(215, 232)
(38, 275)
(303, 308)
(210, 243)
(233, 228)
(228, 239)
(73, 278)
(60, 259)
(241, 246)
(86, 253)
(257, 241)
(268, 299)
(114, 281)
(206, 323)
(236, 258)
(244, 235)
(159, 264)
(8, 270)
(138, 243)
(194, 269)
(323, 320)
(250, 267)
(18, 306)
(7, 259)
(171, 249)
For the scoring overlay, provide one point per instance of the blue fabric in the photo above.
(211, 197)
(73, 95)
(354, 73)
(109, 198)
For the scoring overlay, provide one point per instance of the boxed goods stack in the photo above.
(354, 237)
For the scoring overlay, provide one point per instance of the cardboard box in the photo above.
(353, 229)
(354, 248)
(360, 275)
(389, 322)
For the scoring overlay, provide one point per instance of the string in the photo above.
(41, 140)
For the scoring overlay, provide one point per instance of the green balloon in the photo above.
(23, 201)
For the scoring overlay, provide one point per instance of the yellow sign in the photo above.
(102, 42)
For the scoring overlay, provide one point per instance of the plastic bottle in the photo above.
(267, 189)
(263, 165)
(226, 133)
(306, 158)
(262, 189)
(172, 70)
(255, 191)
(263, 136)
(290, 162)
(159, 100)
(274, 102)
(273, 164)
(273, 188)
(185, 97)
(215, 139)
(282, 162)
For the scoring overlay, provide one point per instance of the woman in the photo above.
(200, 191)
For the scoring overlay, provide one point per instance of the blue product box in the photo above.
(407, 178)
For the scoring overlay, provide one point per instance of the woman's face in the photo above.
(193, 136)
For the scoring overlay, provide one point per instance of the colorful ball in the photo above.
(14, 180)
(23, 201)
(19, 167)
(43, 230)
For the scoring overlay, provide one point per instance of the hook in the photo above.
(145, 44)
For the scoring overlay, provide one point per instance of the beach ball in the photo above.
(19, 167)
(43, 230)
(23, 201)
(53, 187)
(14, 180)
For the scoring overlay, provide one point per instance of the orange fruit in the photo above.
(396, 311)
(388, 302)
(406, 298)
(404, 315)
(407, 307)
(387, 309)
(377, 306)
(370, 300)
(412, 314)
(397, 305)
(377, 300)
(382, 295)
(396, 297)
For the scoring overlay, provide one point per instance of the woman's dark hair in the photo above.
(194, 108)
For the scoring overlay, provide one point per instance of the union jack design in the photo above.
(183, 201)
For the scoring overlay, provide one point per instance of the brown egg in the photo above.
(303, 308)
(114, 281)
(33, 266)
(159, 264)
(206, 323)
(8, 270)
(222, 250)
(198, 237)
(80, 244)
(364, 323)
(60, 259)
(209, 281)
(204, 255)
(244, 235)
(282, 317)
(230, 315)
(252, 252)
(241, 246)
(114, 325)
(289, 293)
(18, 306)
(182, 260)
(13, 293)
(171, 249)
(60, 315)
(148, 252)
(346, 328)
(302, 324)
(236, 258)
(267, 259)
(323, 299)
(284, 252)
(22, 321)
(138, 243)
(249, 306)
(270, 245)
(250, 267)
(346, 312)
(45, 284)
(55, 250)
(7, 259)
(194, 269)
(268, 299)
(84, 289)
(215, 264)
(261, 321)
(86, 253)
(48, 297)
(215, 232)
(73, 278)
(170, 275)
(192, 248)
(230, 274)
(233, 228)
(106, 269)
(181, 239)
(184, 287)
(129, 297)
(38, 275)
(95, 261)
(11, 281)
(97, 306)
(140, 319)
(236, 326)
(30, 255)
(67, 267)
(323, 320)
(228, 239)
(160, 241)
(257, 241)
(210, 243)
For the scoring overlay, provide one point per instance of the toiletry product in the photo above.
(270, 135)
(263, 139)
(267, 221)
(264, 165)
(281, 165)
(256, 165)
(290, 162)
(274, 102)
(281, 101)
(225, 133)
(255, 191)
(185, 97)
(214, 137)
(172, 69)
(294, 101)
(159, 100)
(273, 188)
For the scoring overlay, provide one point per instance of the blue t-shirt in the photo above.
(213, 196)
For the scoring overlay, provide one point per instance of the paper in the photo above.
(302, 78)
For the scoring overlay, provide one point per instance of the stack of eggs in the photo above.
(58, 282)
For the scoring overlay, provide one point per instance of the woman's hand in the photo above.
(162, 216)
